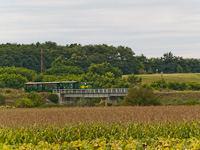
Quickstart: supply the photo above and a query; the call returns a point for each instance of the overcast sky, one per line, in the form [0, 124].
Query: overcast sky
[149, 27]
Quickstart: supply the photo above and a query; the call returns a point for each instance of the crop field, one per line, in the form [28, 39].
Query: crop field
[70, 115]
[180, 77]
[152, 127]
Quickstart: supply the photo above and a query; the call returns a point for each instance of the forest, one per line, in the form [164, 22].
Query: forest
[76, 59]
[101, 65]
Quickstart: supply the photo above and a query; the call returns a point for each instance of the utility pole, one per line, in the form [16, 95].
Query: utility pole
[42, 65]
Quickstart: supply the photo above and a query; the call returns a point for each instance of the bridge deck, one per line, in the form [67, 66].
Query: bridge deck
[112, 91]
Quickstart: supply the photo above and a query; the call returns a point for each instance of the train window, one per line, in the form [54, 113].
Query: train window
[39, 85]
[51, 85]
[31, 85]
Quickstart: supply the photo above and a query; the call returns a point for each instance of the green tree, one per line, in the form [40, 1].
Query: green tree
[140, 96]
[179, 69]
[103, 68]
[134, 80]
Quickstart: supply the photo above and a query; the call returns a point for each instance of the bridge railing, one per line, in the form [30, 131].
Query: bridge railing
[92, 91]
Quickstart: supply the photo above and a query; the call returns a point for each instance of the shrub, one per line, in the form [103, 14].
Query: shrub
[24, 103]
[174, 85]
[8, 91]
[87, 102]
[109, 104]
[157, 85]
[53, 97]
[193, 86]
[189, 102]
[2, 99]
[36, 99]
[141, 96]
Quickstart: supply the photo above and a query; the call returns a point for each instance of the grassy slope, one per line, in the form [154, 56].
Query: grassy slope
[174, 97]
[180, 77]
[12, 95]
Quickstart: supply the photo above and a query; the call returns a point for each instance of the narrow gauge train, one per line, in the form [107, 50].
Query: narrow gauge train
[50, 86]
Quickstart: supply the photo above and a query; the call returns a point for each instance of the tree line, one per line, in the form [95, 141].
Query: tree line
[76, 59]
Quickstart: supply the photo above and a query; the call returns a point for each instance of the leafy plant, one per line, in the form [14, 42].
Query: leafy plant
[53, 97]
[36, 99]
[24, 103]
[141, 97]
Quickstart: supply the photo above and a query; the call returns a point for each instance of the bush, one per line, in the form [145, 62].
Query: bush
[193, 86]
[174, 85]
[109, 104]
[2, 99]
[8, 91]
[36, 99]
[157, 85]
[87, 102]
[24, 103]
[53, 97]
[141, 97]
[189, 102]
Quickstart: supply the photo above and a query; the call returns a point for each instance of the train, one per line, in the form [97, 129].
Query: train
[50, 86]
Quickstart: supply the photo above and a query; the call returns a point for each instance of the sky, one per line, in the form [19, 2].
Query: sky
[148, 27]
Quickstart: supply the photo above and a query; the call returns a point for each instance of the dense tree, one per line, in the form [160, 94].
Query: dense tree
[28, 56]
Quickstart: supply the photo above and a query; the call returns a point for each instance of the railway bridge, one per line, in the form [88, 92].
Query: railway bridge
[67, 96]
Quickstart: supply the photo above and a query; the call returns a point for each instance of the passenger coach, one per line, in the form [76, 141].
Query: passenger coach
[50, 86]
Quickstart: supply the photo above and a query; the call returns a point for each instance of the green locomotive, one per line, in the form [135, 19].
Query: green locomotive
[50, 86]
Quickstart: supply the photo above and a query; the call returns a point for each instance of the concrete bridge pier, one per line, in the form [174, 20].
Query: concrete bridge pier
[65, 100]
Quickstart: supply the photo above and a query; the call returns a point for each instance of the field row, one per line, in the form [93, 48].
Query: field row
[60, 116]
[104, 144]
[173, 135]
[121, 131]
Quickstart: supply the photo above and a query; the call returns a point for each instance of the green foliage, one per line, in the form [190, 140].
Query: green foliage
[141, 97]
[53, 97]
[2, 99]
[193, 86]
[104, 81]
[143, 133]
[157, 85]
[51, 78]
[101, 103]
[179, 69]
[188, 102]
[134, 80]
[12, 80]
[63, 70]
[174, 85]
[28, 56]
[88, 102]
[102, 69]
[36, 99]
[29, 74]
[38, 78]
[8, 91]
[109, 104]
[24, 103]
